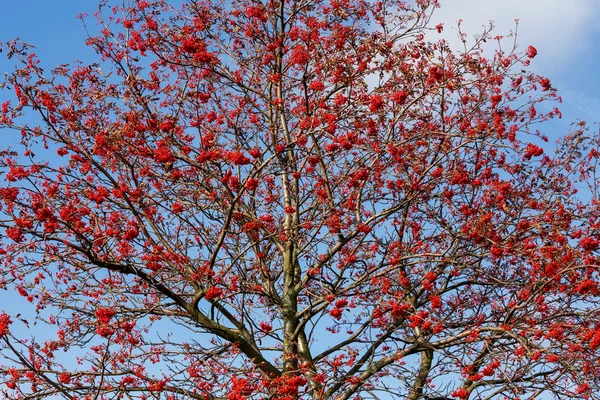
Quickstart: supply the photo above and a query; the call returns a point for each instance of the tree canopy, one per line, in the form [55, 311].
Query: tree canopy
[302, 199]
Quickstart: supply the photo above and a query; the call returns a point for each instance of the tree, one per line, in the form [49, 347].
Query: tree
[302, 199]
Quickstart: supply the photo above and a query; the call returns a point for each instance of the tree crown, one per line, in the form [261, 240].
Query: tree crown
[301, 199]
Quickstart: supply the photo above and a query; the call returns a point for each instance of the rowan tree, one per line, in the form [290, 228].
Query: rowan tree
[255, 199]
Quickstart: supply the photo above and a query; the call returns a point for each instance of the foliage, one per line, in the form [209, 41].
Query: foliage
[301, 199]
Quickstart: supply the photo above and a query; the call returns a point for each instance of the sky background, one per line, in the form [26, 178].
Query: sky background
[566, 34]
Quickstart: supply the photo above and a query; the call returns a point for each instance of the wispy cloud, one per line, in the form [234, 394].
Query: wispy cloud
[561, 30]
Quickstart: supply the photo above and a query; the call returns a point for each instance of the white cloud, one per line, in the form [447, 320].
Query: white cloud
[559, 29]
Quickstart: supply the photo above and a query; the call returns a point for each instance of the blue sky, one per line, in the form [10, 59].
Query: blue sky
[59, 37]
[51, 26]
[566, 34]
